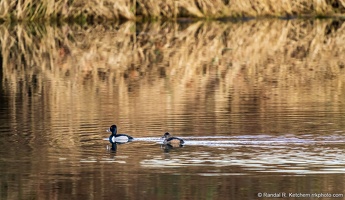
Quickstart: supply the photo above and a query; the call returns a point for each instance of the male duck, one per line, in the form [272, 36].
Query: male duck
[172, 141]
[118, 138]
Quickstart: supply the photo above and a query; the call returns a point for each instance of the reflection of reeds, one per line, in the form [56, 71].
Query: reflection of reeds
[202, 60]
[206, 62]
[130, 9]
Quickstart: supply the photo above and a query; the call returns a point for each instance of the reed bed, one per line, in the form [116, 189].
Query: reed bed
[84, 11]
[60, 10]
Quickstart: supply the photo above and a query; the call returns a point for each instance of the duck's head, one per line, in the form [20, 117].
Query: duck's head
[166, 135]
[113, 129]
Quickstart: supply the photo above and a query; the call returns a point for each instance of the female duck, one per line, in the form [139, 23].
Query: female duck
[118, 138]
[172, 141]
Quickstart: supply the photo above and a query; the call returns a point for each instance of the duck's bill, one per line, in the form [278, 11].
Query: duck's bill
[108, 130]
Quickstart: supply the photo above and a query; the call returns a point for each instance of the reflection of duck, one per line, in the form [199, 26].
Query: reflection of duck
[167, 148]
[172, 141]
[113, 146]
[118, 138]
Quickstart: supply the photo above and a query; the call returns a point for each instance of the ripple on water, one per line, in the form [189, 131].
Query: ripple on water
[291, 154]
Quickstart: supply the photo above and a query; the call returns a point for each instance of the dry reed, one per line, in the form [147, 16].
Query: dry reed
[29, 10]
[132, 9]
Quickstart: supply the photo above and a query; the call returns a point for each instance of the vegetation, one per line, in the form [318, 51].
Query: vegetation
[94, 10]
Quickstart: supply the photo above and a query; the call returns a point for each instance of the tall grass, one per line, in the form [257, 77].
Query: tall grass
[29, 10]
[134, 9]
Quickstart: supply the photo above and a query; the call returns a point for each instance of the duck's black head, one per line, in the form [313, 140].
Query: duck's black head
[166, 135]
[113, 129]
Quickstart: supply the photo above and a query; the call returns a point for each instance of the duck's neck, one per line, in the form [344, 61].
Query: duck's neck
[114, 133]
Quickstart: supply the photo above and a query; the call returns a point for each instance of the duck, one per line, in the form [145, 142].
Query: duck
[118, 138]
[172, 141]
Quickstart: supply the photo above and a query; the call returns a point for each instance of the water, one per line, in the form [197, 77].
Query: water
[259, 104]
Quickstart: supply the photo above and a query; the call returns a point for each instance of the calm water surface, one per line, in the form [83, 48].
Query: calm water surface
[260, 114]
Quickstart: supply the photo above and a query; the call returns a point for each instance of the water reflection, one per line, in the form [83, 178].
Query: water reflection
[113, 146]
[251, 100]
[205, 70]
[167, 147]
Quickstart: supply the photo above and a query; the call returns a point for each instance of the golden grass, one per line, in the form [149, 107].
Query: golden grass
[29, 10]
[132, 9]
